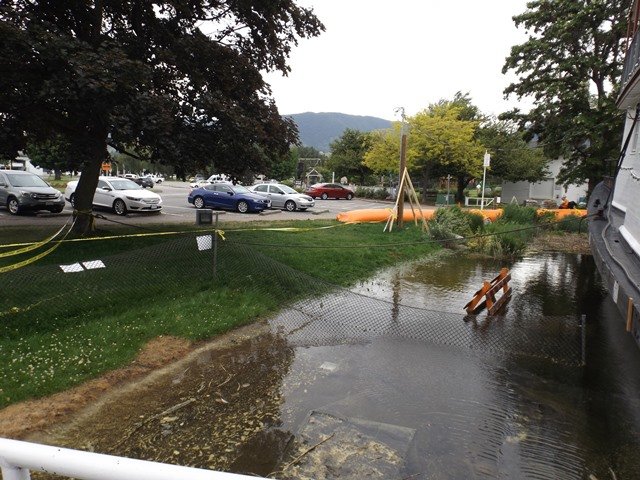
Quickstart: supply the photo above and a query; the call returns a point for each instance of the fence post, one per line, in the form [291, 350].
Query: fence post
[583, 325]
[215, 247]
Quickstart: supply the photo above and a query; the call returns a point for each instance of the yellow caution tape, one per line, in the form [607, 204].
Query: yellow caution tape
[26, 262]
[32, 246]
[153, 234]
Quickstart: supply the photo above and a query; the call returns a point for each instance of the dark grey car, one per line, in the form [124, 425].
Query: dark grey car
[21, 191]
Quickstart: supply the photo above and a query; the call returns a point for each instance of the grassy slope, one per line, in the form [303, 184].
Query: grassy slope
[81, 335]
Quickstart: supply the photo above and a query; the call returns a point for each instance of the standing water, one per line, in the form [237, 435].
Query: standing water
[391, 380]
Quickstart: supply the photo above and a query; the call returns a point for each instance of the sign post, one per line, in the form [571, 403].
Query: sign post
[485, 164]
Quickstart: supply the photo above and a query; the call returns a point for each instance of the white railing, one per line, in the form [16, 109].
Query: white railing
[17, 458]
[477, 201]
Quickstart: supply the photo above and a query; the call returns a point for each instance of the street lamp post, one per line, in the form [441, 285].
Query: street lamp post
[485, 164]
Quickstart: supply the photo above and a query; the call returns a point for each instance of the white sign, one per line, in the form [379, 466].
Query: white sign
[93, 264]
[487, 159]
[74, 267]
[205, 242]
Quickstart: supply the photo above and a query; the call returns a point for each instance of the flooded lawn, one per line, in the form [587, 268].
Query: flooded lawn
[392, 381]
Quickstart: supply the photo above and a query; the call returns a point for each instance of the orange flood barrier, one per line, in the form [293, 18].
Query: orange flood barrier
[375, 215]
[488, 292]
[564, 212]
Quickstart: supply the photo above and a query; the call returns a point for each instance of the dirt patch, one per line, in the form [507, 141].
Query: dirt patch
[21, 419]
[210, 409]
[560, 242]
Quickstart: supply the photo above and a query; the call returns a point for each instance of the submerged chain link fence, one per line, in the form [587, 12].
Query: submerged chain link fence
[61, 301]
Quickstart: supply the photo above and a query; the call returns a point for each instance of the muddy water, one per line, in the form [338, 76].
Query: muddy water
[389, 405]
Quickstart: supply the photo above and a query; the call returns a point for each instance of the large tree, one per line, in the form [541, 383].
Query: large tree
[53, 154]
[347, 155]
[571, 66]
[442, 142]
[512, 157]
[178, 79]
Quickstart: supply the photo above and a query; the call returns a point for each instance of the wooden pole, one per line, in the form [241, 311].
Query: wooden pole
[403, 165]
[629, 314]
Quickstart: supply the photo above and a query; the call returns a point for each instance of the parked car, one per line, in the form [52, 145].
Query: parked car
[283, 196]
[119, 194]
[130, 176]
[144, 182]
[215, 178]
[198, 178]
[20, 191]
[155, 178]
[329, 190]
[228, 197]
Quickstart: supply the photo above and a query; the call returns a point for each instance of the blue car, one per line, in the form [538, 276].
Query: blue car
[228, 197]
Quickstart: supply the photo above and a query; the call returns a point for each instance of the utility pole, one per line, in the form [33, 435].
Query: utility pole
[403, 166]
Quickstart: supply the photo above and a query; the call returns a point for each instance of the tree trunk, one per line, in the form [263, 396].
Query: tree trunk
[96, 152]
[462, 182]
[57, 174]
[424, 183]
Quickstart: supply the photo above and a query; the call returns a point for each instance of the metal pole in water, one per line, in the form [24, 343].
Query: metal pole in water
[583, 325]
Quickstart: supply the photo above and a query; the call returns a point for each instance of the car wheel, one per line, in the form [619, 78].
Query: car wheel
[242, 206]
[72, 200]
[13, 206]
[324, 196]
[349, 196]
[119, 207]
[290, 206]
[198, 202]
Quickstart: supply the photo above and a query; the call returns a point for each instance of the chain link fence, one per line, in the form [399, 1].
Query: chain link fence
[61, 300]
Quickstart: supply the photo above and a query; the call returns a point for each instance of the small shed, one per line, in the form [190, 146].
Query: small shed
[313, 176]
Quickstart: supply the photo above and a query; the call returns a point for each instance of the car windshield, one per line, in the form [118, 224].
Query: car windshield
[26, 180]
[286, 189]
[124, 184]
[241, 189]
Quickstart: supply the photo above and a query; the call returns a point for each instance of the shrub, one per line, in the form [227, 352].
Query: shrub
[571, 223]
[517, 214]
[447, 223]
[508, 238]
[361, 192]
[288, 182]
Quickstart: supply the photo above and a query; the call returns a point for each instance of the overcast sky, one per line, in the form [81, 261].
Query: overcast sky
[378, 55]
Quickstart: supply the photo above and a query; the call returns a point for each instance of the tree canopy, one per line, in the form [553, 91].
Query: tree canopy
[571, 65]
[441, 141]
[512, 158]
[347, 155]
[181, 80]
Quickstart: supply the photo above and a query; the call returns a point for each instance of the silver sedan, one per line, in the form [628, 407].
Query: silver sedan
[282, 196]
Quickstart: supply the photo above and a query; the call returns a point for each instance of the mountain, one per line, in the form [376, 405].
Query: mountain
[320, 129]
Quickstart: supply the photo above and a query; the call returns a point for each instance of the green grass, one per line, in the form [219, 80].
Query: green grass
[57, 330]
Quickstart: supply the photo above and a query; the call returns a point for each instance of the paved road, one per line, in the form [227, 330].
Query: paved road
[176, 209]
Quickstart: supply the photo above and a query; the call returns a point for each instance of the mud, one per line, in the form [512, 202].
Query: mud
[560, 242]
[203, 411]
